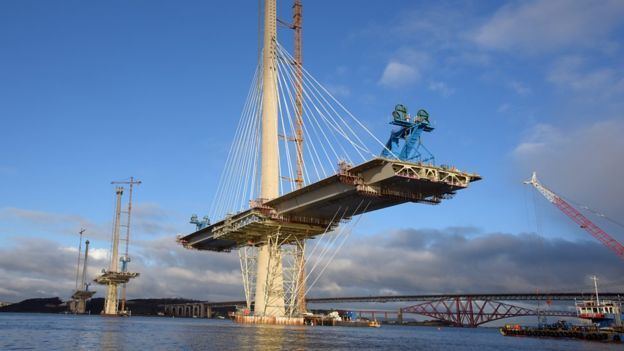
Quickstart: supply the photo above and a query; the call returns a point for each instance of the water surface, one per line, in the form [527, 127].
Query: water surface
[25, 331]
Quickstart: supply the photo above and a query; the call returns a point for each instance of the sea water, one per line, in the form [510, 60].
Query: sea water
[31, 331]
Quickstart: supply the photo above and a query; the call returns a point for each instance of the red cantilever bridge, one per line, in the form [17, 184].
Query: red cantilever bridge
[462, 310]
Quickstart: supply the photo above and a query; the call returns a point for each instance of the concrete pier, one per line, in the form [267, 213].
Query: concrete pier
[189, 310]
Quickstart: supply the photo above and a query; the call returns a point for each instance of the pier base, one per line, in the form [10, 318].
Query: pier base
[268, 320]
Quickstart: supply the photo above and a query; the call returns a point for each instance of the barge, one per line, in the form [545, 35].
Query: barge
[317, 320]
[562, 329]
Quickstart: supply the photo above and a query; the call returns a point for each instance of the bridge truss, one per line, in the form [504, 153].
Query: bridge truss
[469, 312]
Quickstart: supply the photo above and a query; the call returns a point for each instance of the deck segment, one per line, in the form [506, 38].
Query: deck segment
[321, 206]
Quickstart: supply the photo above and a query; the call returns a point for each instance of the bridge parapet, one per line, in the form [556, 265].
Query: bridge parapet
[549, 296]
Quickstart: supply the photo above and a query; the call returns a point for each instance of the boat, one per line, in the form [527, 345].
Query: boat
[334, 319]
[604, 316]
[374, 324]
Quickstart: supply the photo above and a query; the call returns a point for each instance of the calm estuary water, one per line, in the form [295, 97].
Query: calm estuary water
[65, 332]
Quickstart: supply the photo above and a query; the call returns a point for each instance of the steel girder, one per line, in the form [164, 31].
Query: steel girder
[469, 312]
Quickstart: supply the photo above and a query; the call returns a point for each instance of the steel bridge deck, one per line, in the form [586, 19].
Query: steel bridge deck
[555, 296]
[320, 207]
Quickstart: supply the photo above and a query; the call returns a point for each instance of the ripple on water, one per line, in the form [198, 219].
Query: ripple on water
[24, 331]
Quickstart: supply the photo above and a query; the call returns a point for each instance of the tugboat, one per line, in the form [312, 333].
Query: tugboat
[605, 317]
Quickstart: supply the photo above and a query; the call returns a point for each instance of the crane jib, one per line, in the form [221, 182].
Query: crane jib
[576, 216]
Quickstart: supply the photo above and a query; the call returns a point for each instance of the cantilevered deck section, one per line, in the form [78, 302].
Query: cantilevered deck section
[109, 277]
[321, 206]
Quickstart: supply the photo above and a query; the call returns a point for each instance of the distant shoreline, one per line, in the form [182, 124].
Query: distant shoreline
[54, 305]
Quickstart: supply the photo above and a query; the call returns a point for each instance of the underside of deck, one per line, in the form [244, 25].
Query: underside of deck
[321, 206]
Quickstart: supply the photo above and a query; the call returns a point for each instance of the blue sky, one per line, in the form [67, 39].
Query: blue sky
[97, 91]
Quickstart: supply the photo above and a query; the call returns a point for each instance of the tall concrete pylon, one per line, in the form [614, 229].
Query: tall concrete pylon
[113, 277]
[110, 303]
[269, 295]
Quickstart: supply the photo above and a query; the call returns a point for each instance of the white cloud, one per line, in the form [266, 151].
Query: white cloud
[386, 263]
[520, 88]
[147, 219]
[42, 268]
[549, 25]
[441, 88]
[571, 72]
[98, 254]
[503, 108]
[338, 89]
[395, 262]
[58, 223]
[399, 74]
[584, 163]
[541, 136]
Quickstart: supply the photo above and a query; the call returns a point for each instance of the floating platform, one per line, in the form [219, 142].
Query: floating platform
[323, 320]
[320, 207]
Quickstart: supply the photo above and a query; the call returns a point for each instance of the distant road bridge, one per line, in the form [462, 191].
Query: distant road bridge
[462, 310]
[555, 296]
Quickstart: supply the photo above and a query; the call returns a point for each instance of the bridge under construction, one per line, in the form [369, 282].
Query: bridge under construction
[273, 196]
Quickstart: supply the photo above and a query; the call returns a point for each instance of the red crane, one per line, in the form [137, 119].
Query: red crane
[578, 217]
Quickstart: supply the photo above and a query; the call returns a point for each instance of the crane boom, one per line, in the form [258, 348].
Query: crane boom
[578, 217]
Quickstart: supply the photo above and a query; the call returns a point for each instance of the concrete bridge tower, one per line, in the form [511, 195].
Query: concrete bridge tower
[113, 277]
[78, 302]
[269, 295]
[110, 304]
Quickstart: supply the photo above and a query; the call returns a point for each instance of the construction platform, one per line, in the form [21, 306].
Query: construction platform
[109, 277]
[319, 207]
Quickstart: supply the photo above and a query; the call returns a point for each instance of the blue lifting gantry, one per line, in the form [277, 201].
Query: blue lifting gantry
[410, 130]
[200, 224]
